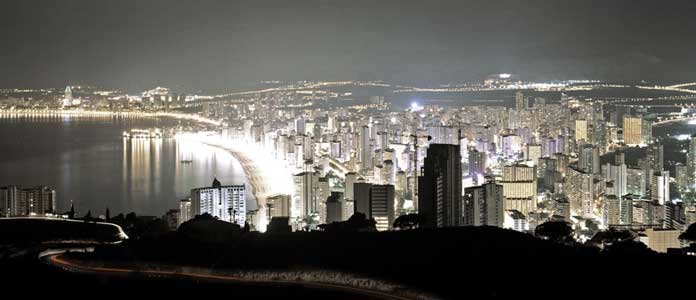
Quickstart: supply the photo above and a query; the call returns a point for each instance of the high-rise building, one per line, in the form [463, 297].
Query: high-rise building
[365, 148]
[561, 207]
[306, 190]
[682, 176]
[520, 101]
[477, 163]
[691, 161]
[519, 188]
[579, 189]
[636, 130]
[184, 210]
[659, 188]
[618, 175]
[351, 178]
[440, 187]
[25, 201]
[334, 208]
[227, 203]
[656, 157]
[533, 152]
[581, 130]
[484, 205]
[635, 182]
[588, 160]
[618, 210]
[612, 210]
[375, 201]
[278, 206]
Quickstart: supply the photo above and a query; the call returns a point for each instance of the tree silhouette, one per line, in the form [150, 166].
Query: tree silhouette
[131, 217]
[689, 235]
[628, 248]
[108, 214]
[204, 217]
[88, 216]
[557, 231]
[358, 222]
[119, 218]
[409, 221]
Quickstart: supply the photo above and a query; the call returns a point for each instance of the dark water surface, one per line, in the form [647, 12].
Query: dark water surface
[87, 161]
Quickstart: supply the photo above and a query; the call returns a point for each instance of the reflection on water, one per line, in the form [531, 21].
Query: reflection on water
[89, 162]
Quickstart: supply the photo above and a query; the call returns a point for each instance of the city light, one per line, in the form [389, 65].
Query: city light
[347, 150]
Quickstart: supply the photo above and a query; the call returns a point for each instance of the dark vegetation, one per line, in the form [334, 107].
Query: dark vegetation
[455, 263]
[452, 262]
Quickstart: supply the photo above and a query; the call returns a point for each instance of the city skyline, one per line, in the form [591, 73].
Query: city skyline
[326, 149]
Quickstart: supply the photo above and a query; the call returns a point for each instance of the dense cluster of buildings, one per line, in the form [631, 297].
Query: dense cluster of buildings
[592, 163]
[19, 201]
[587, 162]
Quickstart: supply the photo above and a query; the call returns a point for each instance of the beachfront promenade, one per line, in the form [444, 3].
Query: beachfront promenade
[266, 175]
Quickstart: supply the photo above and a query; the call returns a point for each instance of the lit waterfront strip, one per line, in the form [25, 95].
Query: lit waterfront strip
[266, 175]
[94, 113]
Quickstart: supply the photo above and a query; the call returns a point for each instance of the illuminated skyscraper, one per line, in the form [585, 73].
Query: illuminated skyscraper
[519, 188]
[184, 210]
[636, 181]
[636, 130]
[306, 185]
[659, 188]
[581, 130]
[484, 205]
[618, 175]
[532, 152]
[278, 206]
[588, 160]
[477, 163]
[691, 162]
[682, 176]
[227, 203]
[656, 157]
[440, 187]
[366, 152]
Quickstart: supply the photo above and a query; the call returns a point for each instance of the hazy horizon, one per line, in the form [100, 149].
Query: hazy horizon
[217, 46]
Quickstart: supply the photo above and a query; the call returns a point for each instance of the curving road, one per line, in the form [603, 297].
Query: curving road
[55, 258]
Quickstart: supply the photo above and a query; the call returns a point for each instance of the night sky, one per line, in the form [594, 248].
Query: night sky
[223, 45]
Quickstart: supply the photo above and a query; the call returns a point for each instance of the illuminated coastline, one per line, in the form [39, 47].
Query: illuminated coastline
[99, 113]
[265, 174]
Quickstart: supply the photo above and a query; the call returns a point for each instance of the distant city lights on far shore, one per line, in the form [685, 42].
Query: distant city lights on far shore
[682, 137]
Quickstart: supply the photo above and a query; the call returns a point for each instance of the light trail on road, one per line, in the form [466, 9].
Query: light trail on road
[55, 259]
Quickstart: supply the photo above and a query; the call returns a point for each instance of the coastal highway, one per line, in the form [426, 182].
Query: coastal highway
[56, 258]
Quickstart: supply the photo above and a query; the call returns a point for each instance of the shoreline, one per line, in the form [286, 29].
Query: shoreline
[126, 202]
[261, 187]
[93, 113]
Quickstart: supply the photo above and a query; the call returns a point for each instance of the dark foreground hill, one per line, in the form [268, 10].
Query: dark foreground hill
[455, 263]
